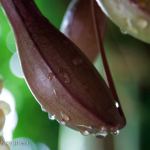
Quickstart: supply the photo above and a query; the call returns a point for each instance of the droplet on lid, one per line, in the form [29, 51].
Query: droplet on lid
[84, 126]
[124, 31]
[85, 133]
[5, 107]
[54, 91]
[62, 122]
[51, 117]
[116, 132]
[50, 76]
[101, 134]
[64, 117]
[117, 104]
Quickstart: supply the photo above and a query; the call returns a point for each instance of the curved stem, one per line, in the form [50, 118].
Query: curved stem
[103, 55]
[102, 51]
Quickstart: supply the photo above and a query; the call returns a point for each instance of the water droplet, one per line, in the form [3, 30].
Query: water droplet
[85, 133]
[62, 122]
[64, 117]
[50, 76]
[54, 91]
[77, 61]
[142, 23]
[116, 132]
[66, 78]
[124, 31]
[90, 129]
[101, 134]
[84, 126]
[43, 109]
[130, 26]
[51, 117]
[117, 104]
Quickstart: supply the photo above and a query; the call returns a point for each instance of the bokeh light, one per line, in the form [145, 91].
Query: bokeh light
[15, 66]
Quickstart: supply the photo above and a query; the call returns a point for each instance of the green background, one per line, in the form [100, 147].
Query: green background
[129, 63]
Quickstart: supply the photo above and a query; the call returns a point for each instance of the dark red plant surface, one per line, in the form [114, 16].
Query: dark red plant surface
[84, 23]
[63, 80]
[78, 24]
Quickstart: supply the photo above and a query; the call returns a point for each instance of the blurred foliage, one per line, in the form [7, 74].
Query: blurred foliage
[129, 63]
